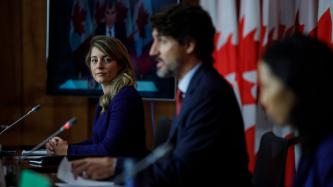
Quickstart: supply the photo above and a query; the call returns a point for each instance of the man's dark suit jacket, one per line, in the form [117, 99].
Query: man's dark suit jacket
[208, 139]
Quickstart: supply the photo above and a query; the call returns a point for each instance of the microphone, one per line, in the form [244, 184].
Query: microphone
[157, 154]
[66, 126]
[34, 109]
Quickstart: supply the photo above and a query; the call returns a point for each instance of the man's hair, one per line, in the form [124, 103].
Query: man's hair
[185, 23]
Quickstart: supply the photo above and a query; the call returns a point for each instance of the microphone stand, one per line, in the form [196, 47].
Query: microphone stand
[157, 154]
[34, 109]
[14, 165]
[67, 125]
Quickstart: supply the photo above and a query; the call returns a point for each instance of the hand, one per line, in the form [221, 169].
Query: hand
[94, 168]
[51, 144]
[57, 146]
[50, 148]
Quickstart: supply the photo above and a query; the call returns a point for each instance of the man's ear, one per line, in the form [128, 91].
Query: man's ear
[190, 46]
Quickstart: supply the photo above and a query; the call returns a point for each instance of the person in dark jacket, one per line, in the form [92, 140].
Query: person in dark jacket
[119, 128]
[295, 76]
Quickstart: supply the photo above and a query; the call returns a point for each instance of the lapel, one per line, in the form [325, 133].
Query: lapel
[186, 106]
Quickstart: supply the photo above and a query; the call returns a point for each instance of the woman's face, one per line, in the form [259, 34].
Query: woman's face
[276, 98]
[103, 68]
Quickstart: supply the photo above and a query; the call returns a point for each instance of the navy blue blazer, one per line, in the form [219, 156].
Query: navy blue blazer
[208, 139]
[316, 170]
[119, 131]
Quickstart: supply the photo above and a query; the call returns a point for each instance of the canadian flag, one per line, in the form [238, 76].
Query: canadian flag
[249, 26]
[224, 16]
[81, 24]
[142, 36]
[260, 23]
[306, 16]
[324, 29]
[99, 12]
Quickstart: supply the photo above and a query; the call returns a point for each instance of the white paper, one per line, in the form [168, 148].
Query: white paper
[32, 157]
[36, 162]
[41, 152]
[65, 174]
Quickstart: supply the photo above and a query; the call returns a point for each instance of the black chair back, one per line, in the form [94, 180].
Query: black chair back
[271, 159]
[161, 131]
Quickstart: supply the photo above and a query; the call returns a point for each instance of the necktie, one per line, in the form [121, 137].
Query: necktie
[179, 100]
[110, 33]
[290, 163]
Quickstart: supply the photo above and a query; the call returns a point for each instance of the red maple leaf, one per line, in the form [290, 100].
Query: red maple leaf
[298, 26]
[248, 59]
[301, 27]
[142, 21]
[324, 29]
[226, 56]
[78, 18]
[121, 11]
[270, 38]
[284, 31]
[99, 12]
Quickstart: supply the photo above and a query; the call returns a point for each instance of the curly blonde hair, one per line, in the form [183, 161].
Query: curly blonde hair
[117, 51]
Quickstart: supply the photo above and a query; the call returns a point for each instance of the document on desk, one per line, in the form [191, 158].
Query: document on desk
[40, 152]
[65, 174]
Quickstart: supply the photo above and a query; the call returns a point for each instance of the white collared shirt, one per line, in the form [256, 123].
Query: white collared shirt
[185, 81]
[110, 31]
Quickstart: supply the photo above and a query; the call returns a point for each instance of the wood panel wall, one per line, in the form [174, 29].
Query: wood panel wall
[23, 82]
